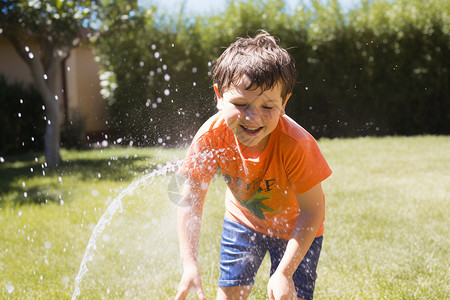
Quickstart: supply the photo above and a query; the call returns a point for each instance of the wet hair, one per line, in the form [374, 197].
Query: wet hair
[261, 59]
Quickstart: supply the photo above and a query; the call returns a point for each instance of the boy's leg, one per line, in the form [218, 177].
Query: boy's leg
[241, 253]
[305, 275]
[234, 292]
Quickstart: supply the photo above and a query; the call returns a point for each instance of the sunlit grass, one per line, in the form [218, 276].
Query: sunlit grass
[386, 234]
[387, 219]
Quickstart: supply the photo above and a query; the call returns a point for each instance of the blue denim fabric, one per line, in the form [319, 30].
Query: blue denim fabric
[243, 250]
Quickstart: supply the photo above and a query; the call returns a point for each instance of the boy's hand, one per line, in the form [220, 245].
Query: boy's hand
[281, 287]
[190, 282]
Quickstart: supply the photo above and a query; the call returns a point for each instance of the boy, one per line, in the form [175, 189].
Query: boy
[273, 169]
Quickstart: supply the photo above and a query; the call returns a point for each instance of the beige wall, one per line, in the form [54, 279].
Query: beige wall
[11, 64]
[82, 83]
[83, 90]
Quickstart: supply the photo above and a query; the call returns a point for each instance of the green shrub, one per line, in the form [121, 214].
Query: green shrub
[379, 69]
[22, 123]
[73, 132]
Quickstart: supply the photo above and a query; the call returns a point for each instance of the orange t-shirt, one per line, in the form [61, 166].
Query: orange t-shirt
[261, 191]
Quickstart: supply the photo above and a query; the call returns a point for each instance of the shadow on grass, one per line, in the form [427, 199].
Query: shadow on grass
[18, 171]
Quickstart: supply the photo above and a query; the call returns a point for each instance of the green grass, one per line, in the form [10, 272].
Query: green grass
[386, 234]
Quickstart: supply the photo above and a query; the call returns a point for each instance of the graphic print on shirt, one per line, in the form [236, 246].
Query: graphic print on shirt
[250, 196]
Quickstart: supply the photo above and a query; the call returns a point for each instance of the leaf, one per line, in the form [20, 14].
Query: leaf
[268, 209]
[255, 206]
[254, 209]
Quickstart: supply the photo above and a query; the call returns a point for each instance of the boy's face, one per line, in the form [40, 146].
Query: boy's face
[250, 114]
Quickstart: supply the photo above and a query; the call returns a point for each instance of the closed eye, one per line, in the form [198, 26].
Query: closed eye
[239, 104]
[267, 107]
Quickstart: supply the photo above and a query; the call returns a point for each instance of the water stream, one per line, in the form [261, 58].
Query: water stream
[111, 211]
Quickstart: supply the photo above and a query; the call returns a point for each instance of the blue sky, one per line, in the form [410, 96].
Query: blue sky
[205, 6]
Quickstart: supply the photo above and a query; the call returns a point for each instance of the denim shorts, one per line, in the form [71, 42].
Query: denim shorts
[242, 252]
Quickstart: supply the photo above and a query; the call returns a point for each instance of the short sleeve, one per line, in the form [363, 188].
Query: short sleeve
[200, 163]
[305, 165]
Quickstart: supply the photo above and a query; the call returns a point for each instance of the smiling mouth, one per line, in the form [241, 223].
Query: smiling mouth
[251, 131]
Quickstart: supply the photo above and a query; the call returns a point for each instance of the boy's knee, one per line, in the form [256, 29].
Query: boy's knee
[234, 292]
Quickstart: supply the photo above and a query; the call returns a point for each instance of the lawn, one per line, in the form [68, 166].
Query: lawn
[386, 234]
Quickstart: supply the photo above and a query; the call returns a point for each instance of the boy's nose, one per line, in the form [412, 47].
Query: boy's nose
[250, 113]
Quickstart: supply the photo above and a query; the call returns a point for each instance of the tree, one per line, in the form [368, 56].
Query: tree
[43, 33]
[153, 72]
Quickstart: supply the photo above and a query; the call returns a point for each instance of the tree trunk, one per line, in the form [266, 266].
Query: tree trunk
[52, 144]
[46, 88]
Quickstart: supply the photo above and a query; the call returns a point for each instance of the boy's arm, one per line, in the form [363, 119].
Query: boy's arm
[312, 210]
[189, 216]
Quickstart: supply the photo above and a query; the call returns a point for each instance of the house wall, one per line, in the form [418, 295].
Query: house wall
[83, 90]
[82, 85]
[11, 64]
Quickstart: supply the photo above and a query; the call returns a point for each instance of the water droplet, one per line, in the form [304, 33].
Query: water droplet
[45, 76]
[141, 63]
[166, 92]
[153, 46]
[21, 101]
[194, 83]
[9, 287]
[167, 77]
[2, 160]
[156, 54]
[160, 140]
[19, 115]
[154, 105]
[27, 48]
[194, 70]
[306, 88]
[159, 100]
[31, 55]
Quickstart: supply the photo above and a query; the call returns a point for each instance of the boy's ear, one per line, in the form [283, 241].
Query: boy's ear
[283, 108]
[218, 97]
